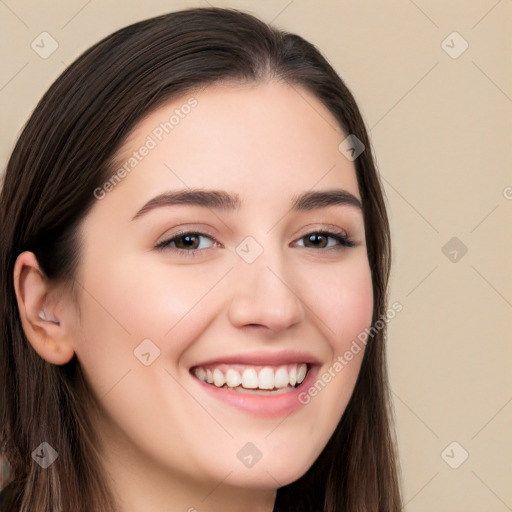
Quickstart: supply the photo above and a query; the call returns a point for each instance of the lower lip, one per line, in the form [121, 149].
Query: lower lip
[271, 405]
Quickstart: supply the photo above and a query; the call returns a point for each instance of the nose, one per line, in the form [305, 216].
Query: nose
[264, 295]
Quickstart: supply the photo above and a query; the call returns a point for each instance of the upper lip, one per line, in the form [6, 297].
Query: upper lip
[263, 358]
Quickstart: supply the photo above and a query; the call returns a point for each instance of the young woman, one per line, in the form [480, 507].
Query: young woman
[193, 274]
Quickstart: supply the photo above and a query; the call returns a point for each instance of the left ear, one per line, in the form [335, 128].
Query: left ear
[46, 326]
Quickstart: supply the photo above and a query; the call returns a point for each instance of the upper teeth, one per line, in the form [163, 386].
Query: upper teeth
[251, 377]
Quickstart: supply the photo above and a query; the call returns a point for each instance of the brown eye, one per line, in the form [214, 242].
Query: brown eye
[316, 240]
[326, 240]
[187, 243]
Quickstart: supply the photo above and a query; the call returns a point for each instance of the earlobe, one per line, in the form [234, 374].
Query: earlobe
[43, 328]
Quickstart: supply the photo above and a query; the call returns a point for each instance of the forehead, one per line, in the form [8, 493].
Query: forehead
[250, 138]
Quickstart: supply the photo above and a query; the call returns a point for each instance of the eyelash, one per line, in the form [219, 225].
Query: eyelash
[343, 240]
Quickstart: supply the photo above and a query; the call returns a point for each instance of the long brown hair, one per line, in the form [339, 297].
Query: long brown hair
[65, 152]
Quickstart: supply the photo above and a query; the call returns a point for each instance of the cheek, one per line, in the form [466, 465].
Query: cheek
[121, 309]
[342, 301]
[130, 319]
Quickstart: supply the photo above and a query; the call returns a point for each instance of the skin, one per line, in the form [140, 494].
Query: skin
[168, 444]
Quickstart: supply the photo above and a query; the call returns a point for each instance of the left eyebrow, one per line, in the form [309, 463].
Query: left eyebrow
[321, 199]
[221, 200]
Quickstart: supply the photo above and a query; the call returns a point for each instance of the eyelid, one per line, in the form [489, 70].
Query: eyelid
[187, 230]
[322, 228]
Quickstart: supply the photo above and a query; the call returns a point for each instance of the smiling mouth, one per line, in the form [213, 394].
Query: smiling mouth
[261, 380]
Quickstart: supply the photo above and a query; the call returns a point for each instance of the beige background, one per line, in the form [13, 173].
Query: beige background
[441, 132]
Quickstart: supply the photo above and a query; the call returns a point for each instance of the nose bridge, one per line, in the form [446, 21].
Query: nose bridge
[264, 292]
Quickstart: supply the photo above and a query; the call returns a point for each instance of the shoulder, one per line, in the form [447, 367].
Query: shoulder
[10, 497]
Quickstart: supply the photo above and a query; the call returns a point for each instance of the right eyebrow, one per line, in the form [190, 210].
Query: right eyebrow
[214, 199]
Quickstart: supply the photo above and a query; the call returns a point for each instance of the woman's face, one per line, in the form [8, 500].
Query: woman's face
[250, 280]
